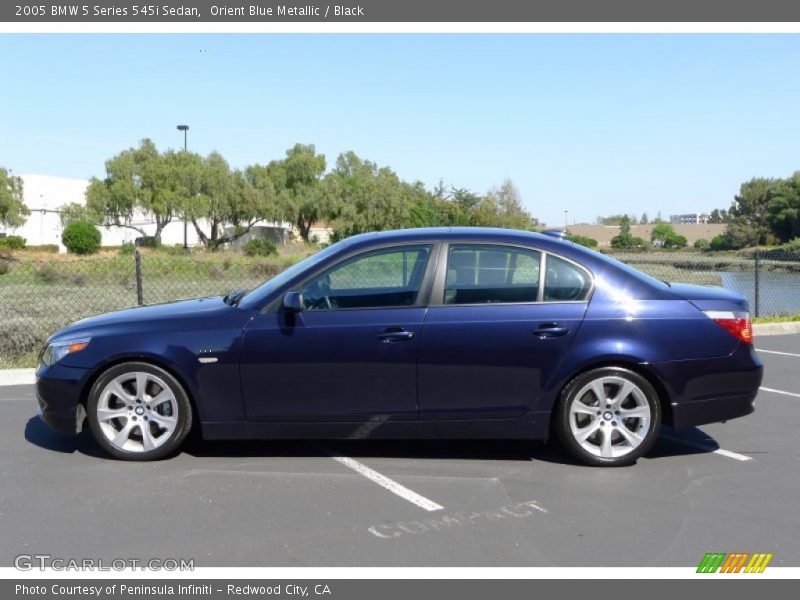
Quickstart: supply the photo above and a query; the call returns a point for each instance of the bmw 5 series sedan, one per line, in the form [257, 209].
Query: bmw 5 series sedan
[426, 333]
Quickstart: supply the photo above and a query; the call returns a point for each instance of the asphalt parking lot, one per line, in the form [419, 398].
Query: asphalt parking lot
[724, 487]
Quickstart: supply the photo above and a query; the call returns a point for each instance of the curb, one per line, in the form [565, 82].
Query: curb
[776, 328]
[17, 376]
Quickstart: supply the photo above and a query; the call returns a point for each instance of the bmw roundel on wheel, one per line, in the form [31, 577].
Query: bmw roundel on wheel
[440, 333]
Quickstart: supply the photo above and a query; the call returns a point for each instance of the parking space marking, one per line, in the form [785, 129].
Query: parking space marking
[777, 352]
[781, 392]
[708, 448]
[387, 483]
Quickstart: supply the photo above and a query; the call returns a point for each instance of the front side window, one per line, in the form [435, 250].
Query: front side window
[478, 274]
[564, 282]
[383, 278]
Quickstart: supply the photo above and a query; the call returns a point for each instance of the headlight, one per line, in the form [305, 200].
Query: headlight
[55, 351]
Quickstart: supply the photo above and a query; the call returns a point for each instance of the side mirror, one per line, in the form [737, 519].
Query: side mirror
[293, 301]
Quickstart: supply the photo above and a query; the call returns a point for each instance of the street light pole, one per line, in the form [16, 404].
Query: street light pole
[566, 219]
[185, 130]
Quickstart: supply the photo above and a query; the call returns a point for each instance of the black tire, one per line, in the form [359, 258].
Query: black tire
[565, 421]
[181, 405]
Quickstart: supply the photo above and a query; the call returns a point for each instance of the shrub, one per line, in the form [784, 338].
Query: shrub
[702, 244]
[721, 242]
[127, 249]
[4, 267]
[260, 248]
[81, 237]
[675, 241]
[582, 240]
[148, 241]
[12, 242]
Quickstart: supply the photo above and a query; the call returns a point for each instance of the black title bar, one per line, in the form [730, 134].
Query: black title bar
[366, 11]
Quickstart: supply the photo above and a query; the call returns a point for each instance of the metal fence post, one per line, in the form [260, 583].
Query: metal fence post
[139, 294]
[757, 280]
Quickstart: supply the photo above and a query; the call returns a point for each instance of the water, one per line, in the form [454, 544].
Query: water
[779, 293]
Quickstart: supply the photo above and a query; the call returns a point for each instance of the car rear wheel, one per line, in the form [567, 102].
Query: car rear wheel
[138, 411]
[608, 417]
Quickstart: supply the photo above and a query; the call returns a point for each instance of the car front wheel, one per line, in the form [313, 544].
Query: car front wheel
[608, 417]
[138, 411]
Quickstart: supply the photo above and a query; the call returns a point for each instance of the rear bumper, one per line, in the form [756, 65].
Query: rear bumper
[58, 396]
[711, 410]
[711, 390]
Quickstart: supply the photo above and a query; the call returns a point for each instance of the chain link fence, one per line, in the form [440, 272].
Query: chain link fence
[769, 279]
[40, 296]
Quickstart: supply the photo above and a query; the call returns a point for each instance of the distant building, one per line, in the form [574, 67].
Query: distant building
[689, 218]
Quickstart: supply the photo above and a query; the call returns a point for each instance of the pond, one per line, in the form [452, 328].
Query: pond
[779, 293]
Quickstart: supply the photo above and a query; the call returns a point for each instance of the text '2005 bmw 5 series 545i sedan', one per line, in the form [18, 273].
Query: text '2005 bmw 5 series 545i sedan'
[425, 333]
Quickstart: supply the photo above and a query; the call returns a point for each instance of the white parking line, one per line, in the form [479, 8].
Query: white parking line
[708, 448]
[777, 352]
[389, 484]
[781, 392]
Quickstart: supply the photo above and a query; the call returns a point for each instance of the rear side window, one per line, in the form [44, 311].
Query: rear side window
[485, 274]
[564, 282]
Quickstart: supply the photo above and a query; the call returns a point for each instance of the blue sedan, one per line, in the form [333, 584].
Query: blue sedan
[426, 333]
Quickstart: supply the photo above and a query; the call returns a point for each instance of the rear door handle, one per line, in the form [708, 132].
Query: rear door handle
[395, 334]
[550, 330]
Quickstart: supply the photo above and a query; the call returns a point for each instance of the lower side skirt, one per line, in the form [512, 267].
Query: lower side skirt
[532, 426]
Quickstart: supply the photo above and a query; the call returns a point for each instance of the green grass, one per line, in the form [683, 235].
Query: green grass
[778, 319]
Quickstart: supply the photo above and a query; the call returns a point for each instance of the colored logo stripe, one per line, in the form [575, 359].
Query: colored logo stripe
[734, 562]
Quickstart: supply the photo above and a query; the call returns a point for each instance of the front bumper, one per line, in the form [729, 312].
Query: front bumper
[58, 395]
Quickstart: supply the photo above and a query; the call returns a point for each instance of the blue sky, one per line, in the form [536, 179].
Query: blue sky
[593, 124]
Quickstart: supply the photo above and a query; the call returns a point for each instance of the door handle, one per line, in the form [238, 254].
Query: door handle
[550, 330]
[395, 334]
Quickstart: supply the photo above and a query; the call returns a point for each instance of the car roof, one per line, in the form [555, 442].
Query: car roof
[445, 233]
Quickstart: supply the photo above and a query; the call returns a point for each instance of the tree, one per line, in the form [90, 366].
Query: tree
[13, 212]
[75, 211]
[230, 202]
[645, 219]
[365, 197]
[664, 235]
[297, 179]
[615, 220]
[138, 179]
[718, 216]
[502, 207]
[749, 224]
[624, 240]
[784, 209]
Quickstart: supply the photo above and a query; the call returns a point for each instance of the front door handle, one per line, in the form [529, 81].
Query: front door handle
[550, 330]
[395, 334]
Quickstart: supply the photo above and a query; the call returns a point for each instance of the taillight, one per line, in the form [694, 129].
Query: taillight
[737, 323]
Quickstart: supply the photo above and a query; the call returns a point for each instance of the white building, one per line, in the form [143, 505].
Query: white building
[44, 195]
[689, 218]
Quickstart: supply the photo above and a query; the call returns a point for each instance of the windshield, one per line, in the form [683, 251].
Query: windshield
[257, 295]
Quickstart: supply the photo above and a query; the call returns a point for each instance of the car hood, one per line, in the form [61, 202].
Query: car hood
[181, 309]
[707, 297]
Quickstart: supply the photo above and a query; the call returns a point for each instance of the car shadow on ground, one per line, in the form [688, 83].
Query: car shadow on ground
[39, 434]
[670, 443]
